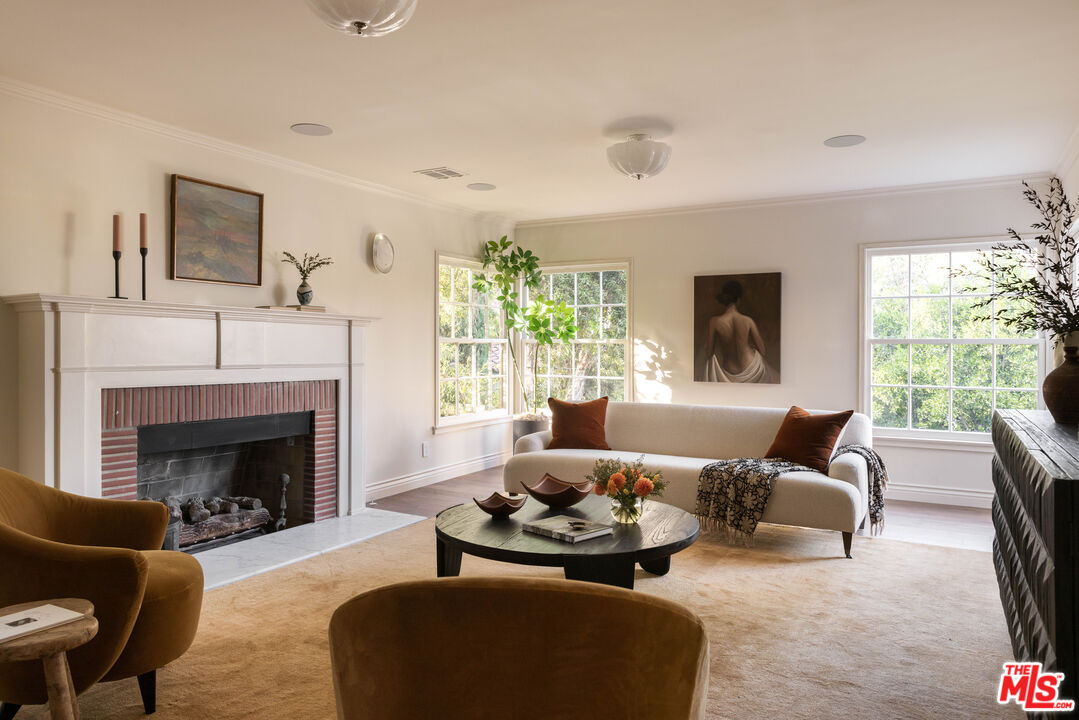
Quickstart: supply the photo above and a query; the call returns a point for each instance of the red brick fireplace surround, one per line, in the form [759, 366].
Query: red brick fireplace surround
[124, 410]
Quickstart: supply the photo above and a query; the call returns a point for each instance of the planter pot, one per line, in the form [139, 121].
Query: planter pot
[522, 427]
[1061, 388]
[305, 293]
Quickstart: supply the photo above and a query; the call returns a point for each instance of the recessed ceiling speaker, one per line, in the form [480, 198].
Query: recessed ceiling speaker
[844, 140]
[311, 129]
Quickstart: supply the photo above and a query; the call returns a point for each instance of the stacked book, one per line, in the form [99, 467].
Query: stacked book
[34, 620]
[567, 528]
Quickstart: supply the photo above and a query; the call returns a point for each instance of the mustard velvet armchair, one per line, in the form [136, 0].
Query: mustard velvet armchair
[147, 601]
[473, 648]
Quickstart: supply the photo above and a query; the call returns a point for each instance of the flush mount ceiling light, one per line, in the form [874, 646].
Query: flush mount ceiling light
[639, 156]
[311, 129]
[364, 18]
[845, 140]
[481, 187]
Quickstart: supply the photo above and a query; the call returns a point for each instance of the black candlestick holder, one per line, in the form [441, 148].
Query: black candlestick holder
[143, 251]
[116, 258]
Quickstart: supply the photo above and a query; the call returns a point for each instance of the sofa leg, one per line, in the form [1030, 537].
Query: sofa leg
[862, 526]
[8, 710]
[847, 538]
[148, 689]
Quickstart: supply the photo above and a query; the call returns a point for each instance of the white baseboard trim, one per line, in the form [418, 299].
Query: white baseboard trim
[962, 497]
[401, 484]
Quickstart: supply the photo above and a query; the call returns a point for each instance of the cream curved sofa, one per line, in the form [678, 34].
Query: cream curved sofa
[679, 440]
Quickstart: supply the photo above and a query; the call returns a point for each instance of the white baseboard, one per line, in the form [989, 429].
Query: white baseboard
[401, 484]
[939, 495]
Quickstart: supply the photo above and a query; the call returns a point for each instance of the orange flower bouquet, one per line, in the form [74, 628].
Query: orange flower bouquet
[627, 485]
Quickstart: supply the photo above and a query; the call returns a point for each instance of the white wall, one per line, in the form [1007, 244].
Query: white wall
[1069, 167]
[815, 244]
[65, 171]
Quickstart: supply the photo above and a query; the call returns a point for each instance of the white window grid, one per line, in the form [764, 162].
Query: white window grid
[497, 347]
[951, 295]
[546, 370]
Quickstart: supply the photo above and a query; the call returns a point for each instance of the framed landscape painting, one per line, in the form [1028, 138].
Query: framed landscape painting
[736, 328]
[216, 233]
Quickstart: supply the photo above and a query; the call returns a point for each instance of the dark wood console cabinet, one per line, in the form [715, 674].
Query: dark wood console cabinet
[1035, 509]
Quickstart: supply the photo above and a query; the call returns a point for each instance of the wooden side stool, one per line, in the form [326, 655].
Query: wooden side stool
[51, 646]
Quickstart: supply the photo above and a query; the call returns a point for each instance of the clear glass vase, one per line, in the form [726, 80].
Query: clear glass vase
[627, 511]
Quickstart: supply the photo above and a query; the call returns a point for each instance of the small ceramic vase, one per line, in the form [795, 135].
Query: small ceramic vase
[305, 293]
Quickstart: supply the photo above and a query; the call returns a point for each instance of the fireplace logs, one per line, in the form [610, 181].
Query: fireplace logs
[175, 509]
[195, 512]
[219, 506]
[204, 523]
[248, 503]
[219, 526]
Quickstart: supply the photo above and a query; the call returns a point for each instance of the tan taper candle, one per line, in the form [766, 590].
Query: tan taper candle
[116, 232]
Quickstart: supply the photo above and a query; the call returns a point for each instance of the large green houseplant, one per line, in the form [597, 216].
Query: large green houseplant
[1032, 288]
[508, 271]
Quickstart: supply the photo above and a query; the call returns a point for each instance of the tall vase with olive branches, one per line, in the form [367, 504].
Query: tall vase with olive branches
[1033, 288]
[509, 270]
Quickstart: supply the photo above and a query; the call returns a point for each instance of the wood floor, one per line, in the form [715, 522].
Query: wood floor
[931, 524]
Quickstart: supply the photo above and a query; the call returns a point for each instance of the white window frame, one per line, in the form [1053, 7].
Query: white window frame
[917, 437]
[613, 264]
[472, 420]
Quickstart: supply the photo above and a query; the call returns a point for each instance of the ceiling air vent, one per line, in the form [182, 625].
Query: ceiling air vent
[441, 173]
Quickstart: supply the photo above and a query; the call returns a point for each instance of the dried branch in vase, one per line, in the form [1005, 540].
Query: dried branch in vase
[1031, 281]
[308, 264]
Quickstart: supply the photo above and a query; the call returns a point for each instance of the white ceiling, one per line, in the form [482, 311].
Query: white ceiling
[518, 92]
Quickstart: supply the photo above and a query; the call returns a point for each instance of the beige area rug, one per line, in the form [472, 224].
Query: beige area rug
[901, 631]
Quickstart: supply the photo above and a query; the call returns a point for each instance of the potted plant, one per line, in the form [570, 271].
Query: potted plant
[508, 271]
[1032, 288]
[305, 293]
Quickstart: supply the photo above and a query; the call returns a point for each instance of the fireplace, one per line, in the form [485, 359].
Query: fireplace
[264, 453]
[94, 370]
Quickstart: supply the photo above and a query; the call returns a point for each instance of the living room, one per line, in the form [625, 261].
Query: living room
[261, 234]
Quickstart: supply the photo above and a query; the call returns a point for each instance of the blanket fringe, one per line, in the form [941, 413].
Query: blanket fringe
[731, 535]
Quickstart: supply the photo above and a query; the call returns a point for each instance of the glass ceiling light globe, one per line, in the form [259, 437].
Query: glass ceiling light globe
[639, 157]
[364, 18]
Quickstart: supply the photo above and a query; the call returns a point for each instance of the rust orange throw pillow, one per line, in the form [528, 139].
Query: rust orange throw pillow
[578, 425]
[808, 439]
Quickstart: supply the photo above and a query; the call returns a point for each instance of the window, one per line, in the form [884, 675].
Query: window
[931, 366]
[471, 347]
[596, 362]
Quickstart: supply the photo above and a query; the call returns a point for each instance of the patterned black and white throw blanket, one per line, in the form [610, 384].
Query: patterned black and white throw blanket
[732, 494]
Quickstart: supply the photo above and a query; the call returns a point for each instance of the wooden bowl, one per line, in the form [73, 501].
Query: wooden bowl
[558, 494]
[501, 504]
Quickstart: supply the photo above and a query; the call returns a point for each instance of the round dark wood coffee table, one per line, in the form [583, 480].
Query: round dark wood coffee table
[662, 531]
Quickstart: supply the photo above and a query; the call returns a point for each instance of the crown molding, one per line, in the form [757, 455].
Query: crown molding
[1000, 181]
[35, 93]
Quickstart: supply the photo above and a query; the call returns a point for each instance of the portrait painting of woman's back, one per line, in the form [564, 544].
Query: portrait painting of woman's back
[736, 336]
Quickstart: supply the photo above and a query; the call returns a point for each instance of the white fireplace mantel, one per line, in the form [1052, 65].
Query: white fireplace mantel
[70, 348]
